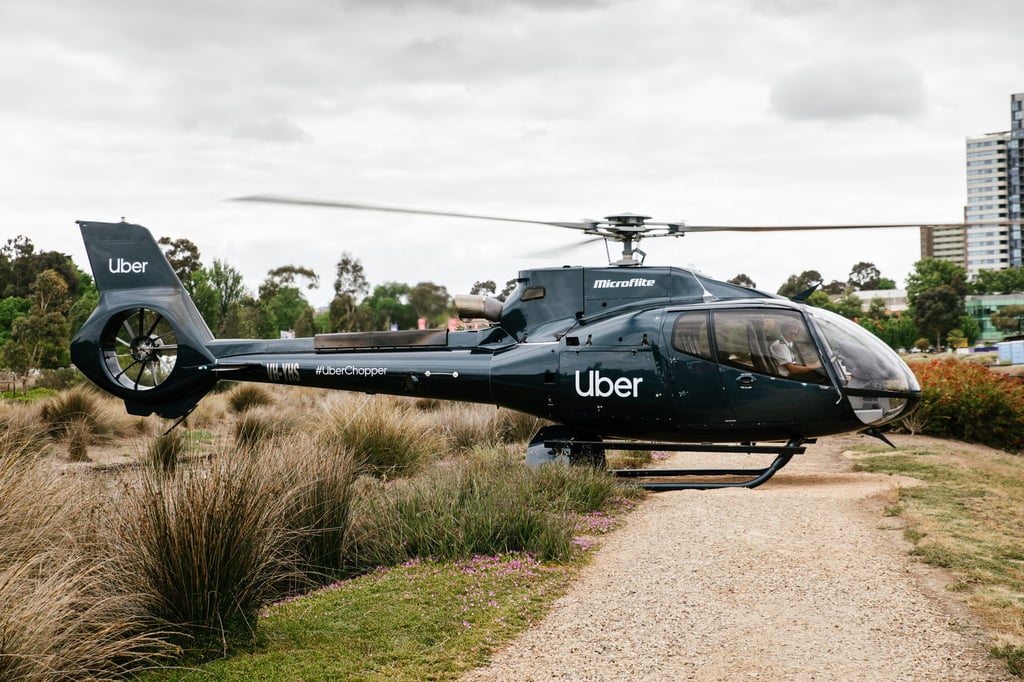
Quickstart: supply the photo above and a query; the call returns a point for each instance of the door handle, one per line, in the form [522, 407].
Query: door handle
[746, 380]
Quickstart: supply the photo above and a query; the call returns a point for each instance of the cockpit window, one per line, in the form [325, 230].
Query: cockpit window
[860, 357]
[690, 334]
[773, 342]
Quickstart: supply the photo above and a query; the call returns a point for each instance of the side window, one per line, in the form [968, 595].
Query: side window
[774, 342]
[690, 335]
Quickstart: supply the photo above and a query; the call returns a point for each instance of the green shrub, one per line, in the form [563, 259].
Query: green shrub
[968, 402]
[247, 396]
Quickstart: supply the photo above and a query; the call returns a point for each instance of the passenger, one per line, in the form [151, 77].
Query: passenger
[787, 358]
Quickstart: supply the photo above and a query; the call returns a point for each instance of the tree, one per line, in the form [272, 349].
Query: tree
[285, 276]
[849, 306]
[487, 288]
[40, 338]
[1010, 280]
[11, 309]
[387, 306]
[349, 283]
[183, 255]
[1009, 319]
[306, 324]
[743, 280]
[280, 296]
[937, 310]
[430, 301]
[21, 264]
[929, 273]
[797, 284]
[864, 277]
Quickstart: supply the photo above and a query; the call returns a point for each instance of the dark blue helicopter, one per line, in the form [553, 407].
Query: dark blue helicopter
[620, 357]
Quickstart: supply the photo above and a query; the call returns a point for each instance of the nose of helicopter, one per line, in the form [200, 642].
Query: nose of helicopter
[877, 383]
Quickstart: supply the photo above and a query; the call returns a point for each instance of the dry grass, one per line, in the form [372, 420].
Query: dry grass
[968, 518]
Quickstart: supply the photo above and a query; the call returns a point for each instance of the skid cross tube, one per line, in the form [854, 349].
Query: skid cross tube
[754, 477]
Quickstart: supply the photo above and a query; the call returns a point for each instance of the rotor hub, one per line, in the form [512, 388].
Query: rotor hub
[146, 349]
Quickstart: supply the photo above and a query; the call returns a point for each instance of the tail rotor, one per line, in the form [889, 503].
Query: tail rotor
[139, 348]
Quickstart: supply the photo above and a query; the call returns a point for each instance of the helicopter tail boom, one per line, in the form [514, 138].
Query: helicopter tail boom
[146, 339]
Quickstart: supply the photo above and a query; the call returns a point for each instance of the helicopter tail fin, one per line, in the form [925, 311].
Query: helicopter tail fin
[146, 340]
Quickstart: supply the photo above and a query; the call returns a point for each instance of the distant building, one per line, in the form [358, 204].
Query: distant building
[982, 307]
[995, 180]
[988, 242]
[895, 299]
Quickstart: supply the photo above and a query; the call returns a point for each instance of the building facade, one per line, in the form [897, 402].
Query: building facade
[987, 239]
[991, 238]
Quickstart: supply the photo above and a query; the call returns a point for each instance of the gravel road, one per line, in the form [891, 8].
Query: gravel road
[803, 578]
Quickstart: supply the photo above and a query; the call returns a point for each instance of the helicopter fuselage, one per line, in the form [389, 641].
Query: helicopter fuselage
[609, 352]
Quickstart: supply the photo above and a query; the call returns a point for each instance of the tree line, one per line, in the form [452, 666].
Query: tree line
[45, 298]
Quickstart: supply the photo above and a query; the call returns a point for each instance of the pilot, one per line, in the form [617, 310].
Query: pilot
[787, 358]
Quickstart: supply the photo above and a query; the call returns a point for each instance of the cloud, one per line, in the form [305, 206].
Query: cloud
[849, 89]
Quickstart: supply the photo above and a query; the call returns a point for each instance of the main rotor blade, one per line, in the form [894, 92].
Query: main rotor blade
[271, 199]
[786, 228]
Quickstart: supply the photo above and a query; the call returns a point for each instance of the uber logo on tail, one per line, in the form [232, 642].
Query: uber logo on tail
[123, 267]
[598, 386]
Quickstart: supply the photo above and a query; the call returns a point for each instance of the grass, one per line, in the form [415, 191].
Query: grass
[446, 542]
[420, 621]
[968, 518]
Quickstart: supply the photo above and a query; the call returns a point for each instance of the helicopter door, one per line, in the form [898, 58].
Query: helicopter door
[693, 377]
[763, 355]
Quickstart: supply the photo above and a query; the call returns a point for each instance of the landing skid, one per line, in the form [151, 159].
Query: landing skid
[751, 477]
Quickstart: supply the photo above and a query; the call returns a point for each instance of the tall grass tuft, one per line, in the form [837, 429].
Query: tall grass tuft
[457, 510]
[205, 546]
[319, 491]
[244, 397]
[165, 450]
[79, 406]
[259, 427]
[62, 620]
[389, 438]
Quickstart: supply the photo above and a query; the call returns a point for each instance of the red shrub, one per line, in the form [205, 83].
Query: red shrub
[968, 402]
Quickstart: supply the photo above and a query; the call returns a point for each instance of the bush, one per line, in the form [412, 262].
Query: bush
[968, 402]
[319, 509]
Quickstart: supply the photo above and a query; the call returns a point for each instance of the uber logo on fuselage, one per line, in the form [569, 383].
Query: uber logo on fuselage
[598, 386]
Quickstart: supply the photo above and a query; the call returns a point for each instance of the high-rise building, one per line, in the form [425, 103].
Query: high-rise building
[987, 240]
[991, 238]
[1015, 162]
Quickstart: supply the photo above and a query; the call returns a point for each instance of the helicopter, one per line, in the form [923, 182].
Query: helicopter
[625, 356]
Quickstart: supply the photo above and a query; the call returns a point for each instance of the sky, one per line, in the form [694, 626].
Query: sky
[733, 112]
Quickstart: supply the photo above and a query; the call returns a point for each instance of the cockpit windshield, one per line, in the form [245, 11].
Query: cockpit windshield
[860, 357]
[864, 362]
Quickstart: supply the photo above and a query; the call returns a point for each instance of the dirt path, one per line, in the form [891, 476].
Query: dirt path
[801, 579]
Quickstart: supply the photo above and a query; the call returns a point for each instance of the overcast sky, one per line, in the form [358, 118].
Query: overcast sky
[726, 112]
